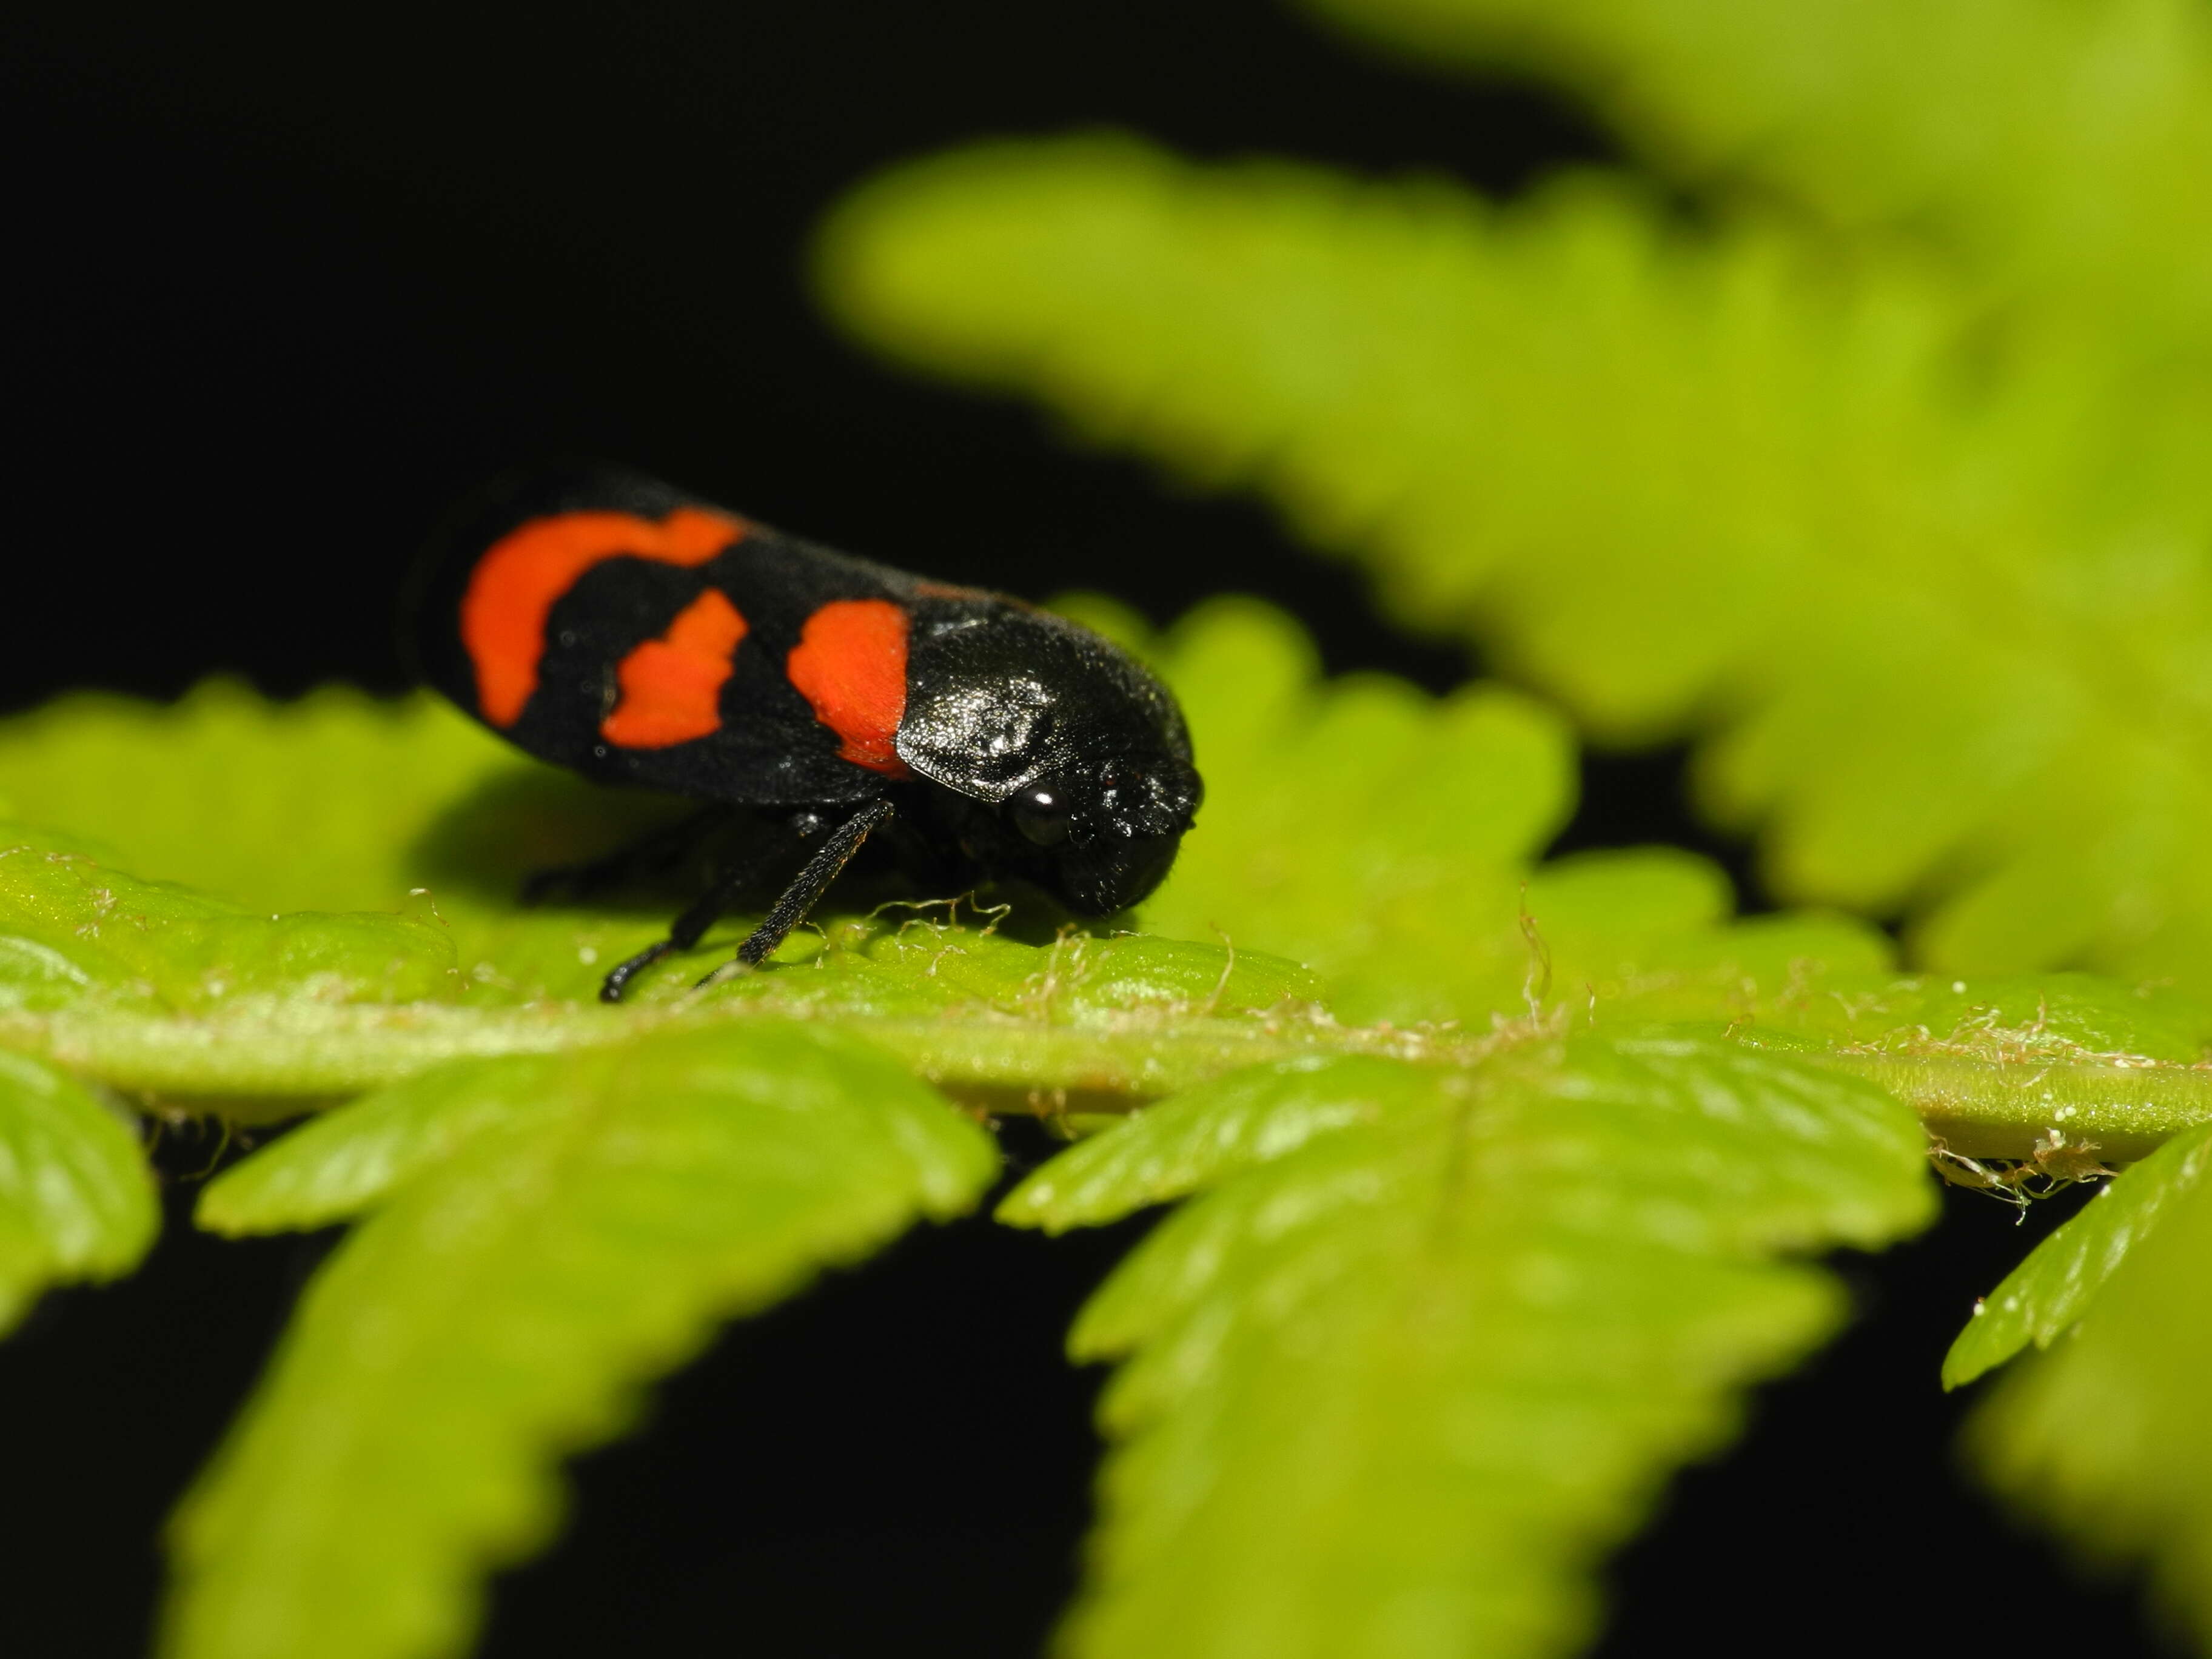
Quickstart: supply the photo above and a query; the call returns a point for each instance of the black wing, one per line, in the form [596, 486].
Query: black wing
[609, 623]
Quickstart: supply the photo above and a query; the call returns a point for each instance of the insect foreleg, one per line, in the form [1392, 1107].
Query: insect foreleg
[807, 887]
[688, 929]
[800, 896]
[684, 933]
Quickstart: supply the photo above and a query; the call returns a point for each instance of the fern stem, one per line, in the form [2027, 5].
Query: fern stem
[2121, 1107]
[278, 1066]
[282, 1063]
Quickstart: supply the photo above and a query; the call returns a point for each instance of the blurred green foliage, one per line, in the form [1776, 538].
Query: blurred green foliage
[2052, 152]
[1917, 549]
[2106, 1435]
[1858, 433]
[76, 1199]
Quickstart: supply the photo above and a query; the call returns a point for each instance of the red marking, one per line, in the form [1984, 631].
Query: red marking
[515, 585]
[672, 687]
[850, 664]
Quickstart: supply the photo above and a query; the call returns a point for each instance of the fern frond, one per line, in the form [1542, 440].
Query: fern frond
[555, 1201]
[78, 929]
[2043, 1299]
[347, 1161]
[321, 804]
[76, 1201]
[1390, 840]
[1192, 1140]
[506, 1303]
[1392, 1392]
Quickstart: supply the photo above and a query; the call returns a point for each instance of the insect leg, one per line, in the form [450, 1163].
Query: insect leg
[809, 884]
[649, 854]
[683, 933]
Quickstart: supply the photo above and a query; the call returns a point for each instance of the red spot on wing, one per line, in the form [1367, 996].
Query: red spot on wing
[523, 574]
[672, 687]
[850, 664]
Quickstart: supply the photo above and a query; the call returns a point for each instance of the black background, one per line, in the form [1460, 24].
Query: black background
[277, 287]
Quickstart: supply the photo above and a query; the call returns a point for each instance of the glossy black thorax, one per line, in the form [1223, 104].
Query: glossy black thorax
[1008, 706]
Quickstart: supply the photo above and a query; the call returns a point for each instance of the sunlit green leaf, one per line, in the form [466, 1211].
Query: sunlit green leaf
[76, 1201]
[346, 1161]
[579, 1234]
[316, 805]
[1359, 827]
[71, 923]
[1393, 1391]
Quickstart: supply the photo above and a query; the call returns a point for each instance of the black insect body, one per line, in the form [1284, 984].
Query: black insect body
[609, 623]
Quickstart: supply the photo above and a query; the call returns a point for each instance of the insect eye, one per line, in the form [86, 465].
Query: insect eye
[1041, 816]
